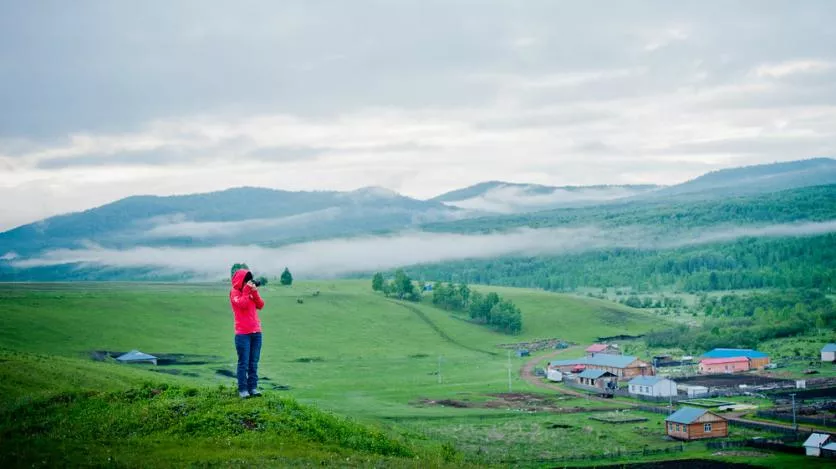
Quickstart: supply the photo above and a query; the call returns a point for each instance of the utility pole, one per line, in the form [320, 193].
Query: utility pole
[509, 370]
[794, 422]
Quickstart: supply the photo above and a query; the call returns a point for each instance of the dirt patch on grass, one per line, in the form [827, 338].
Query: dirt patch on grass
[536, 345]
[175, 372]
[309, 360]
[748, 454]
[526, 402]
[227, 373]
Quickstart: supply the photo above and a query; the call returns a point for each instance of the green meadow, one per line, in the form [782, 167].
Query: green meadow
[352, 379]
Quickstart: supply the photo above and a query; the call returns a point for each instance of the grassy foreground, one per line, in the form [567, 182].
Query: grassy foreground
[351, 380]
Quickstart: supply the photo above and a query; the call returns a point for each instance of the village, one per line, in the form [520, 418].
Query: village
[704, 396]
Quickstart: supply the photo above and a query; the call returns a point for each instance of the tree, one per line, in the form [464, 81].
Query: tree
[262, 280]
[236, 267]
[286, 278]
[377, 282]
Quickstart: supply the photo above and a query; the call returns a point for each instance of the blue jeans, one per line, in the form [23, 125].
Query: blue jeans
[248, 347]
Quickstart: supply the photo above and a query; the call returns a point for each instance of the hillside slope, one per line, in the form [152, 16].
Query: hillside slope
[156, 424]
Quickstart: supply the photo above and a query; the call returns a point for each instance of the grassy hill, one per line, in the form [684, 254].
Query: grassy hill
[351, 380]
[347, 349]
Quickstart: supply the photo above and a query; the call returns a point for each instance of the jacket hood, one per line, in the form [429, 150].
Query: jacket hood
[238, 278]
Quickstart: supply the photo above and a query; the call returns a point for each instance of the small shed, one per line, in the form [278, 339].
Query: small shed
[596, 378]
[554, 375]
[522, 352]
[693, 390]
[814, 443]
[828, 353]
[654, 386]
[691, 423]
[135, 356]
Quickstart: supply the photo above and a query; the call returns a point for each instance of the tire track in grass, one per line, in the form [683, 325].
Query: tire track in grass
[421, 315]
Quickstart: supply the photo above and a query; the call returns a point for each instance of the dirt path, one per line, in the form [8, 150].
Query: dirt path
[438, 330]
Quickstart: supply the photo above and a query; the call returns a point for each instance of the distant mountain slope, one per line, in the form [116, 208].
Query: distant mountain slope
[240, 216]
[757, 179]
[506, 197]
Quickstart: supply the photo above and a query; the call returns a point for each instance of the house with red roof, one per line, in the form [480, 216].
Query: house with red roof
[602, 349]
[724, 365]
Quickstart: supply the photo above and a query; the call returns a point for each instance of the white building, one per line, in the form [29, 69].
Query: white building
[554, 375]
[828, 353]
[135, 356]
[813, 444]
[654, 386]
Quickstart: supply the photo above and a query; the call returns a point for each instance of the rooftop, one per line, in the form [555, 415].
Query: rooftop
[594, 374]
[135, 355]
[612, 361]
[817, 439]
[829, 348]
[686, 415]
[646, 380]
[734, 352]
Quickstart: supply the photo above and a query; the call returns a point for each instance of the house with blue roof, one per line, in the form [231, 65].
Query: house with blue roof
[622, 366]
[691, 423]
[652, 386]
[757, 360]
[828, 353]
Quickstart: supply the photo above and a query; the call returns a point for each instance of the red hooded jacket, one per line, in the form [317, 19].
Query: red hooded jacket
[245, 304]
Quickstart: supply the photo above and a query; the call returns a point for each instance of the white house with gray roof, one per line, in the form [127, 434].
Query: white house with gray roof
[828, 353]
[653, 386]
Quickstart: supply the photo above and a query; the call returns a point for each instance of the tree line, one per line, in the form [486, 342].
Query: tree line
[487, 309]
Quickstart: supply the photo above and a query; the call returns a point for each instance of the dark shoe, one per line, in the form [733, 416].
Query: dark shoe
[244, 394]
[255, 393]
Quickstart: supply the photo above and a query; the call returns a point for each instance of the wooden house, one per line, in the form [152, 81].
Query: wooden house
[724, 365]
[597, 378]
[691, 423]
[757, 360]
[623, 366]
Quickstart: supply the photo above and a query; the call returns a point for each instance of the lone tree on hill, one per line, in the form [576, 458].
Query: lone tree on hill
[286, 278]
[377, 282]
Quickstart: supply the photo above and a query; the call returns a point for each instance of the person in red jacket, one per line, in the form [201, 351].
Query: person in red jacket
[246, 302]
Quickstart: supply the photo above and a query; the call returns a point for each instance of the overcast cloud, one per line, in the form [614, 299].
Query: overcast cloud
[101, 100]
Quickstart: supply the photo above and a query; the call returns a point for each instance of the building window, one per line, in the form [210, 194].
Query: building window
[677, 427]
[670, 427]
[707, 428]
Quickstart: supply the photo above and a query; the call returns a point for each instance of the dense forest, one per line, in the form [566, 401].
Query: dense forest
[746, 321]
[747, 263]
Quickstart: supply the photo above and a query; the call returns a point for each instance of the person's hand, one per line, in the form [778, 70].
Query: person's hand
[252, 285]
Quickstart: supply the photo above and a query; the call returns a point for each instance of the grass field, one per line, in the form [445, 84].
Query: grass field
[346, 352]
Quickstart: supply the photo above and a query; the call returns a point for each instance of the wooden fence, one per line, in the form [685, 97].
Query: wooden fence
[785, 417]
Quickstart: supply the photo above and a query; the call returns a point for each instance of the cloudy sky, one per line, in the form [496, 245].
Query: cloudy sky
[102, 99]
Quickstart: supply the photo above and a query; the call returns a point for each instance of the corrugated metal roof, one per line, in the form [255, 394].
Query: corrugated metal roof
[829, 447]
[135, 355]
[734, 352]
[646, 380]
[593, 374]
[686, 415]
[612, 361]
[829, 348]
[817, 439]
